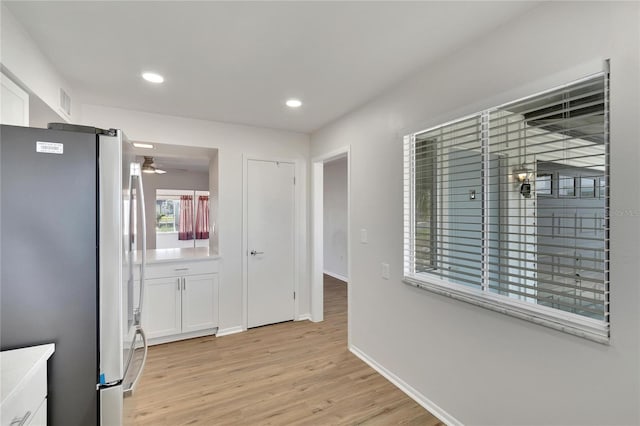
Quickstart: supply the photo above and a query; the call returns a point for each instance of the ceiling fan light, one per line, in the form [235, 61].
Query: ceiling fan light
[147, 166]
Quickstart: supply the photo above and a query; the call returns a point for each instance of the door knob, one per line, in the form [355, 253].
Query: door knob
[253, 252]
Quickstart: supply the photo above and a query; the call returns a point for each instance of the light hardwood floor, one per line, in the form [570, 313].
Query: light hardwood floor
[282, 374]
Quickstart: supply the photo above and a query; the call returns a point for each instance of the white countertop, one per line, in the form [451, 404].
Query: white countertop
[177, 254]
[19, 365]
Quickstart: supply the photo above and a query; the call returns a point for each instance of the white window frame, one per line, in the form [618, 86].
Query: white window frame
[575, 324]
[161, 192]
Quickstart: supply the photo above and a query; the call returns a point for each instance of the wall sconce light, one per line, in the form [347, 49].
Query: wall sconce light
[522, 175]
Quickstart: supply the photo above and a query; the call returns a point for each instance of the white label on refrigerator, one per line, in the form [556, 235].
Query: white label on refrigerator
[49, 147]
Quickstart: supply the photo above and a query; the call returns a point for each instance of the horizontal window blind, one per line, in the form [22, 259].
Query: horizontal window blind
[513, 201]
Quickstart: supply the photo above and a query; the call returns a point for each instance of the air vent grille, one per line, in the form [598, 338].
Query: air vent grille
[65, 102]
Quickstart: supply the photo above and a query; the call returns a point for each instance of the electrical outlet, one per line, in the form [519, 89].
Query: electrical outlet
[363, 236]
[385, 271]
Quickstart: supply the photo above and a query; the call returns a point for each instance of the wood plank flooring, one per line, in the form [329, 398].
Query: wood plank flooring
[282, 374]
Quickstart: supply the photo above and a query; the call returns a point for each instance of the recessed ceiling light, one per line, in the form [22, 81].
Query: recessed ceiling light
[152, 77]
[293, 103]
[143, 145]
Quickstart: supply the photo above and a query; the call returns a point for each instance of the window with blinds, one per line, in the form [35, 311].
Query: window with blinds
[508, 208]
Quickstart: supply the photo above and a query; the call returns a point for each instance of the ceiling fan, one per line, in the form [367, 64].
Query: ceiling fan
[149, 167]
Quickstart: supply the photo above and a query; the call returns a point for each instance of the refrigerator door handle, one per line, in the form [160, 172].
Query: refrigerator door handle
[143, 263]
[132, 224]
[128, 391]
[21, 421]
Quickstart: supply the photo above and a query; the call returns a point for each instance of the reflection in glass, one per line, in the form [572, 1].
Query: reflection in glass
[566, 186]
[552, 247]
[448, 220]
[474, 227]
[544, 184]
[587, 188]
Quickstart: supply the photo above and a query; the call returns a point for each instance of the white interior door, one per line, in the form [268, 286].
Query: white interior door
[270, 242]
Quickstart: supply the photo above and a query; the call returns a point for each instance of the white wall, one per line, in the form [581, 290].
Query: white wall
[335, 218]
[232, 142]
[40, 114]
[479, 366]
[27, 65]
[173, 179]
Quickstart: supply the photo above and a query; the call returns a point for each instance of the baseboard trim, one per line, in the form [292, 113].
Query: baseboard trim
[230, 330]
[412, 393]
[304, 317]
[184, 336]
[337, 276]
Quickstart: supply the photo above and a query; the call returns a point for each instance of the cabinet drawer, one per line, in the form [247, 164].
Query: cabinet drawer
[173, 269]
[26, 400]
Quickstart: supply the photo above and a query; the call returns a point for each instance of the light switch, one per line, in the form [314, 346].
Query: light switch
[363, 236]
[385, 271]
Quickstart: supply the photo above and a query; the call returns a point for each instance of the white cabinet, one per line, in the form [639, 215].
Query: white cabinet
[162, 306]
[199, 293]
[23, 387]
[180, 300]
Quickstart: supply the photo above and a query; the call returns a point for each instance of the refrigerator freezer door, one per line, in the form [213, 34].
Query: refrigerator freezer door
[111, 412]
[49, 265]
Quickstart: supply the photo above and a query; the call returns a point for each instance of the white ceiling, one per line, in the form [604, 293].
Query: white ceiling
[239, 61]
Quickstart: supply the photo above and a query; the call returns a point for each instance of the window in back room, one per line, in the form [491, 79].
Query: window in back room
[182, 218]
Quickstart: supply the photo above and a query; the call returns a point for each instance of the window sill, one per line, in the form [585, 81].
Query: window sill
[587, 328]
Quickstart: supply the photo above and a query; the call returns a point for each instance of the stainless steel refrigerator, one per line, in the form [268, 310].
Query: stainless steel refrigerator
[71, 201]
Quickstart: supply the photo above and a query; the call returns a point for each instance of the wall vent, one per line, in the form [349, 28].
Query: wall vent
[65, 102]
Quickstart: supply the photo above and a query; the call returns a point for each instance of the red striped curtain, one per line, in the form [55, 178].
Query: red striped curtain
[185, 228]
[202, 218]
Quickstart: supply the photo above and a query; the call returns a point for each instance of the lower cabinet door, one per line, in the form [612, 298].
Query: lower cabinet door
[199, 307]
[161, 310]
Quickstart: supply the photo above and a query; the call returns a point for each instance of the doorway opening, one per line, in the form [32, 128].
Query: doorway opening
[335, 256]
[331, 217]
